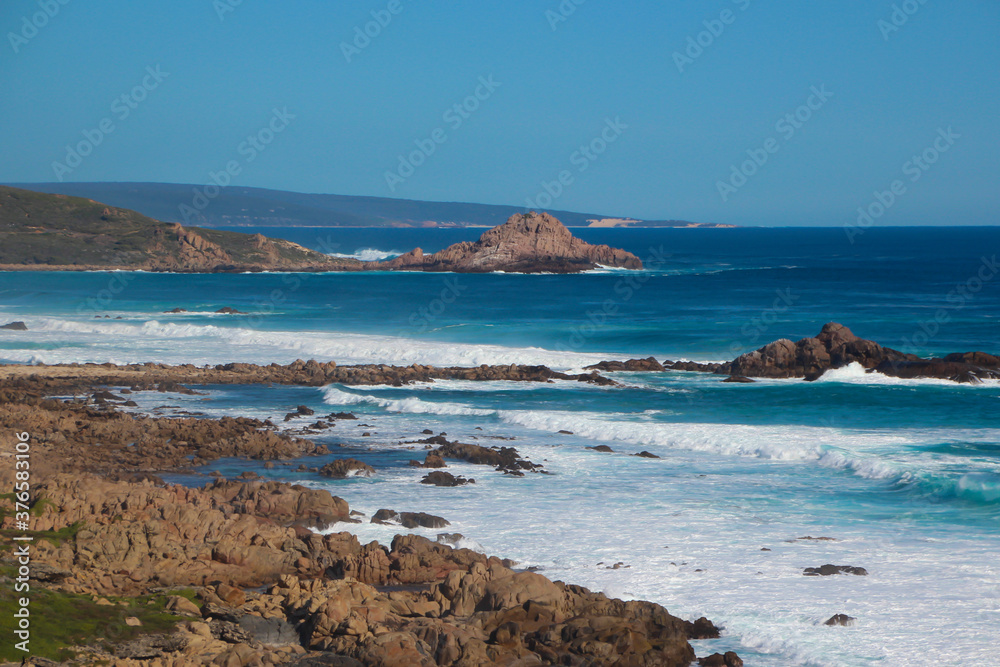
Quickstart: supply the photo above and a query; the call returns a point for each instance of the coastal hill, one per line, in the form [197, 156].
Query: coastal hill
[241, 207]
[526, 243]
[39, 230]
[56, 231]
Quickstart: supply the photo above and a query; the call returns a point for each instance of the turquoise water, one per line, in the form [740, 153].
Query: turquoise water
[905, 475]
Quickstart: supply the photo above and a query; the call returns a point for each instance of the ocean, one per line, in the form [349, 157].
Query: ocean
[903, 476]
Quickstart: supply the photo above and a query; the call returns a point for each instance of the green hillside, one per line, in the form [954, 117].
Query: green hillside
[47, 230]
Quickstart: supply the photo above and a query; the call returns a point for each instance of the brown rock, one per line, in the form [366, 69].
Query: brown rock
[526, 243]
[347, 468]
[840, 619]
[441, 478]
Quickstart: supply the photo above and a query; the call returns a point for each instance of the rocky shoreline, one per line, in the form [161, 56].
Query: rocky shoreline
[232, 573]
[80, 378]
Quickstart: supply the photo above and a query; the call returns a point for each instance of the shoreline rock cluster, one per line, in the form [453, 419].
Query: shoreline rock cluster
[79, 378]
[243, 579]
[834, 347]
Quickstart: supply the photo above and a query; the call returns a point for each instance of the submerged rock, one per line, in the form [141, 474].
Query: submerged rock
[827, 570]
[840, 619]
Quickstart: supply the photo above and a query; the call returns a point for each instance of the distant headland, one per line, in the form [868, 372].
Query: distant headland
[40, 231]
[213, 206]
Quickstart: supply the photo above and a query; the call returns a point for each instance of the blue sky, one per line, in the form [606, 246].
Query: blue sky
[681, 123]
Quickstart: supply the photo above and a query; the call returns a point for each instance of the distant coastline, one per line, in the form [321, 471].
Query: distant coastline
[257, 207]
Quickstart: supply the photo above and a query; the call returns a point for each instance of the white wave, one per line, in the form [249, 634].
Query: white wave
[182, 342]
[335, 396]
[855, 373]
[601, 268]
[367, 254]
[862, 453]
[859, 453]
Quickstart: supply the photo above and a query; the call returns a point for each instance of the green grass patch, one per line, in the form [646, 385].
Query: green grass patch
[56, 537]
[60, 621]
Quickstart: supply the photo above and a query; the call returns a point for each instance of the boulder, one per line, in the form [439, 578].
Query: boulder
[840, 619]
[409, 519]
[441, 478]
[728, 659]
[15, 326]
[347, 468]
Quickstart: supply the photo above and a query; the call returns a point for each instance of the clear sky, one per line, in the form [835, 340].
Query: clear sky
[664, 122]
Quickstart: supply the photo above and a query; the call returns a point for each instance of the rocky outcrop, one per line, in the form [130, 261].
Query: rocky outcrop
[834, 347]
[442, 478]
[115, 443]
[416, 602]
[15, 326]
[648, 364]
[526, 243]
[347, 468]
[409, 519]
[503, 459]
